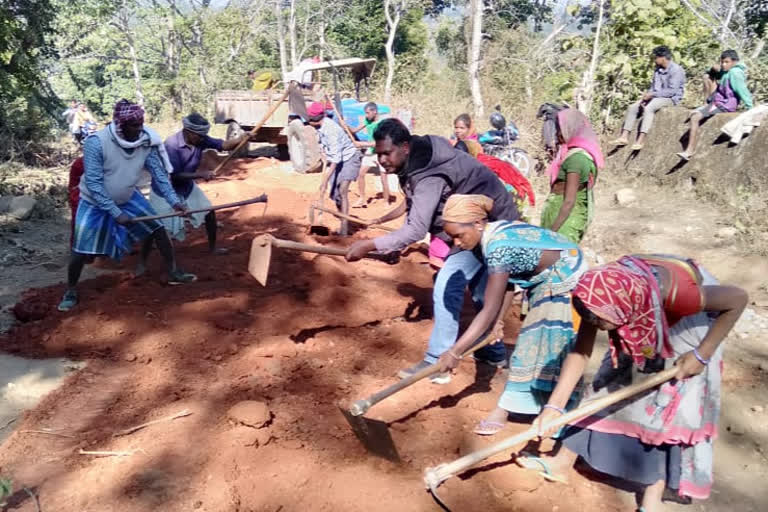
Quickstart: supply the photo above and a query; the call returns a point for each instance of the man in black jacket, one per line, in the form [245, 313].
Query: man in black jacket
[430, 170]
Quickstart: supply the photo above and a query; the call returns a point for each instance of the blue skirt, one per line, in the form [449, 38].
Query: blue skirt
[97, 232]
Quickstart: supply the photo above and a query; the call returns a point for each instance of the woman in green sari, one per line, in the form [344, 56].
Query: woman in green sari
[570, 206]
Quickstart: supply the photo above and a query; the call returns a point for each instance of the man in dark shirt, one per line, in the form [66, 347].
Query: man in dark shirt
[430, 170]
[185, 151]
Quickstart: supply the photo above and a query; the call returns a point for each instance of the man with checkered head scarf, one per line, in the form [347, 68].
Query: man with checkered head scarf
[114, 159]
[185, 152]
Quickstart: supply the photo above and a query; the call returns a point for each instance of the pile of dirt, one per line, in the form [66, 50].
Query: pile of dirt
[730, 175]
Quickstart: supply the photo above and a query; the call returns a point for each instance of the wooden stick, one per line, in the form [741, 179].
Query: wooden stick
[185, 412]
[341, 119]
[46, 432]
[433, 477]
[261, 199]
[253, 131]
[351, 218]
[107, 454]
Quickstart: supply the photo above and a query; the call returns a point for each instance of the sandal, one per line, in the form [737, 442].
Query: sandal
[528, 461]
[489, 428]
[68, 301]
[181, 277]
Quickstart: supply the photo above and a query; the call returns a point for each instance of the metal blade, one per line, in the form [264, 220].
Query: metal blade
[374, 435]
[259, 260]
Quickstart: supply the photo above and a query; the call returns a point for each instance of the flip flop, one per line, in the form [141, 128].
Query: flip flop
[489, 428]
[528, 461]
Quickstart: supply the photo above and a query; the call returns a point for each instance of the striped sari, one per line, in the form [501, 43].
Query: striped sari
[549, 329]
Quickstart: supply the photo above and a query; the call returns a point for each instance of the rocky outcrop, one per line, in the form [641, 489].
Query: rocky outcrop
[734, 175]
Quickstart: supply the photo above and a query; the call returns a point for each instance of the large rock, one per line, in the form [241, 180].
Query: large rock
[20, 207]
[250, 413]
[732, 175]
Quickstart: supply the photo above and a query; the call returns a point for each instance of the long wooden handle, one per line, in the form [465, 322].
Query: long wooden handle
[433, 477]
[342, 122]
[253, 131]
[351, 218]
[261, 199]
[321, 249]
[361, 406]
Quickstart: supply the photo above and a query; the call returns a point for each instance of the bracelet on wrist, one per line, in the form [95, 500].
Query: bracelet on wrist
[703, 361]
[554, 408]
[453, 355]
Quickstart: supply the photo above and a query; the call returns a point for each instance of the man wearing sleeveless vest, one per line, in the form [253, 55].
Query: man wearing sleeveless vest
[114, 159]
[430, 170]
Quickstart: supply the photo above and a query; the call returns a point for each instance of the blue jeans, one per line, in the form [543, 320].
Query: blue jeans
[460, 270]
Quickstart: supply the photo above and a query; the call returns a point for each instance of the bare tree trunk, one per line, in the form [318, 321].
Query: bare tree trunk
[321, 35]
[292, 34]
[474, 50]
[122, 25]
[393, 20]
[587, 89]
[281, 39]
[172, 64]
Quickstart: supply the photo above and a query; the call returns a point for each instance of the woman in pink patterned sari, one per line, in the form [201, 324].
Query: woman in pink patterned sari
[659, 311]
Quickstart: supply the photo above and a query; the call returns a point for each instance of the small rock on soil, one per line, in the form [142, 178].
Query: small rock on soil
[250, 413]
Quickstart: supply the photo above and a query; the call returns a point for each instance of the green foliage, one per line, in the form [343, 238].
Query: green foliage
[6, 489]
[25, 99]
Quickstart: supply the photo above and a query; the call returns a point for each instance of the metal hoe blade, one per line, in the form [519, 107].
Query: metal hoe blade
[261, 255]
[374, 435]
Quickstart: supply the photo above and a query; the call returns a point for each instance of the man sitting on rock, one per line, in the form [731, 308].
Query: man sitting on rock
[727, 84]
[114, 159]
[430, 170]
[667, 89]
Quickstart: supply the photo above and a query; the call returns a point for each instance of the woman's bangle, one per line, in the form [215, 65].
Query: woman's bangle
[554, 408]
[703, 361]
[453, 355]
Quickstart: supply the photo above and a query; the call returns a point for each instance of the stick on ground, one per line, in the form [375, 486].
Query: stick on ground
[46, 432]
[107, 454]
[185, 412]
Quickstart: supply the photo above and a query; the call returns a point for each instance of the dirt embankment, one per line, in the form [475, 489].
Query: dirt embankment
[731, 175]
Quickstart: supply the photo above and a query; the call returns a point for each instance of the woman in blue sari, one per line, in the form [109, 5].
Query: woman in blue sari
[547, 266]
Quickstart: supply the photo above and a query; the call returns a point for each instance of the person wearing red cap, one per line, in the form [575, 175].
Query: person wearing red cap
[343, 159]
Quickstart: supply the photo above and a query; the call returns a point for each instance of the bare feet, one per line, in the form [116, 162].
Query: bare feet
[493, 423]
[621, 141]
[652, 497]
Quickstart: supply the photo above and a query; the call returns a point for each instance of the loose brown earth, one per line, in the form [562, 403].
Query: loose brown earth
[321, 333]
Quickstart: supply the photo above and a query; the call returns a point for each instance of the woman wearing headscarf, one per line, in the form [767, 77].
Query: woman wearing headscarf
[544, 264]
[659, 311]
[570, 206]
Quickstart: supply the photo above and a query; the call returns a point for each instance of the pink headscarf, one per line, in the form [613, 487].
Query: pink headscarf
[577, 133]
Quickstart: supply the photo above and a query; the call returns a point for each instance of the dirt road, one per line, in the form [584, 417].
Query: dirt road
[322, 332]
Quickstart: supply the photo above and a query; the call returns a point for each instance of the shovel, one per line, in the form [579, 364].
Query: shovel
[350, 218]
[261, 254]
[261, 199]
[374, 434]
[433, 477]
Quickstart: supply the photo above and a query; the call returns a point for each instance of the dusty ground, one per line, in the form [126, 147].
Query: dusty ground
[321, 333]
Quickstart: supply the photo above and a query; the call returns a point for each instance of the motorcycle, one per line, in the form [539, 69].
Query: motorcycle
[498, 141]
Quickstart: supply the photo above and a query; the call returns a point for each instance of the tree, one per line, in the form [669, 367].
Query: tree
[393, 10]
[474, 47]
[587, 89]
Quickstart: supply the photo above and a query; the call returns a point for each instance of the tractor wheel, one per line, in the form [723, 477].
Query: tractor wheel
[303, 146]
